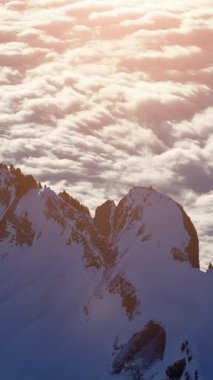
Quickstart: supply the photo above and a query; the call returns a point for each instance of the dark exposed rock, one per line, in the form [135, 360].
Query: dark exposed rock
[125, 215]
[90, 257]
[192, 249]
[4, 233]
[5, 196]
[120, 216]
[24, 233]
[120, 285]
[73, 202]
[52, 211]
[175, 371]
[185, 349]
[23, 183]
[210, 266]
[103, 218]
[147, 345]
[179, 254]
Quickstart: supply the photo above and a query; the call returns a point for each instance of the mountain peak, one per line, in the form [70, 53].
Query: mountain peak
[143, 215]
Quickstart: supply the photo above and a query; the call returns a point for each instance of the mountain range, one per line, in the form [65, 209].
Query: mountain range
[116, 296]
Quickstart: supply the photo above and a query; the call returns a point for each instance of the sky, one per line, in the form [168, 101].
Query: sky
[99, 96]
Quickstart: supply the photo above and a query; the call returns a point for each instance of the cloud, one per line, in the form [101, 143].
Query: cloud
[98, 96]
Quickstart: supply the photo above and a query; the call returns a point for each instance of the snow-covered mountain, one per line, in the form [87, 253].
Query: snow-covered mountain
[117, 296]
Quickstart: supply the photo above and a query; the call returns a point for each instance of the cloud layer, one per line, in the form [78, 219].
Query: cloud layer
[99, 96]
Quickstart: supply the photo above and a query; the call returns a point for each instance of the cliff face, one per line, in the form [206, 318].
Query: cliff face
[104, 217]
[192, 249]
[125, 283]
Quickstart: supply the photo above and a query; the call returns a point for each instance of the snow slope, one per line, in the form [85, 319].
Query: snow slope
[77, 293]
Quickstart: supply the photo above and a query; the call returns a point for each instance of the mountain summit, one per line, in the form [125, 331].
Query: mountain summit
[126, 283]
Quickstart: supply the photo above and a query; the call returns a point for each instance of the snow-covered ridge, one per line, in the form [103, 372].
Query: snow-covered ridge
[126, 282]
[142, 215]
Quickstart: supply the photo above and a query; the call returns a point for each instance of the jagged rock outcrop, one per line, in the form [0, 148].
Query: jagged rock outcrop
[184, 366]
[143, 349]
[104, 216]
